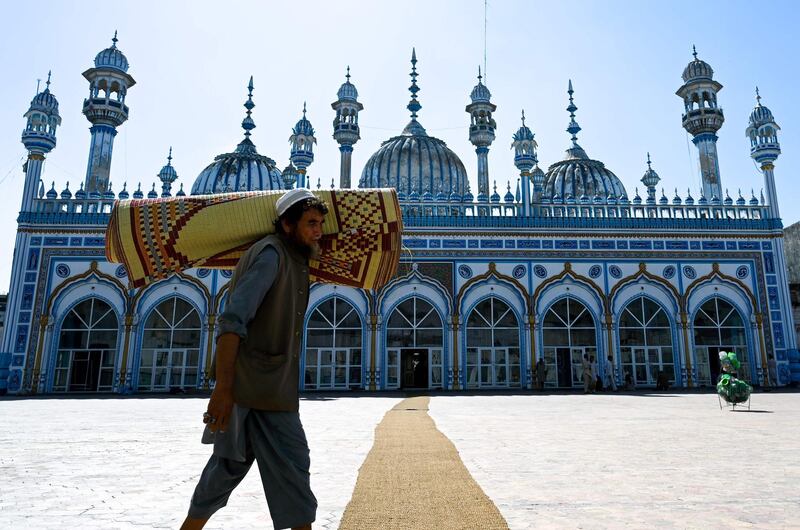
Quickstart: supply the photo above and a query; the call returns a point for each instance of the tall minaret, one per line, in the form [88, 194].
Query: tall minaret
[302, 153]
[650, 179]
[39, 138]
[764, 149]
[702, 119]
[481, 131]
[524, 158]
[105, 108]
[345, 126]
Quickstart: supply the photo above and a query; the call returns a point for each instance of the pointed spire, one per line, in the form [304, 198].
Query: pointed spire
[169, 156]
[47, 84]
[38, 82]
[758, 96]
[248, 124]
[694, 52]
[114, 40]
[480, 77]
[304, 110]
[348, 73]
[523, 117]
[648, 161]
[573, 127]
[413, 105]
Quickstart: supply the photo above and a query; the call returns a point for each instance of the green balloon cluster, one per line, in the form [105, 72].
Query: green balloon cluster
[731, 388]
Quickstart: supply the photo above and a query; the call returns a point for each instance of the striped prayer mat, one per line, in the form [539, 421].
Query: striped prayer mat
[154, 238]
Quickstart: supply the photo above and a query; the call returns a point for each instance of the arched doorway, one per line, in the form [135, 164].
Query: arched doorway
[493, 357]
[414, 346]
[568, 333]
[645, 340]
[87, 348]
[170, 347]
[718, 326]
[333, 351]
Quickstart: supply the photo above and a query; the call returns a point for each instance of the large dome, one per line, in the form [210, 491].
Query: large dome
[242, 170]
[578, 175]
[417, 162]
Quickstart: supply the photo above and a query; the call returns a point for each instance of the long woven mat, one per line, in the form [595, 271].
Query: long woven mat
[414, 479]
[154, 238]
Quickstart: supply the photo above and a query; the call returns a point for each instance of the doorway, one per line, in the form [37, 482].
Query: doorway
[85, 371]
[414, 364]
[564, 367]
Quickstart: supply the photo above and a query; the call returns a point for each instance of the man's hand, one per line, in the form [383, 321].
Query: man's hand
[221, 403]
[219, 409]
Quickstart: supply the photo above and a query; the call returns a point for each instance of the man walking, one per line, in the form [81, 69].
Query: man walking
[253, 411]
[608, 369]
[541, 373]
[586, 374]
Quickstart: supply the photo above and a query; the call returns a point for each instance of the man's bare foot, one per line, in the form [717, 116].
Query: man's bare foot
[196, 524]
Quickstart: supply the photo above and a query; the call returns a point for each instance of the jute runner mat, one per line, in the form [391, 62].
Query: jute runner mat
[413, 478]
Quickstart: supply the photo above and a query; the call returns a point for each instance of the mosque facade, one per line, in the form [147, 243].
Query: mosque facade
[564, 264]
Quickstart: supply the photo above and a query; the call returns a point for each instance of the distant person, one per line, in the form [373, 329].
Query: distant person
[772, 370]
[629, 381]
[541, 373]
[586, 374]
[609, 382]
[662, 380]
[595, 375]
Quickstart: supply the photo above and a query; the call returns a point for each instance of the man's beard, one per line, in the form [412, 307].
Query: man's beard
[311, 251]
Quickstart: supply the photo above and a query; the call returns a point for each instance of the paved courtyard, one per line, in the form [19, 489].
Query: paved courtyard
[546, 461]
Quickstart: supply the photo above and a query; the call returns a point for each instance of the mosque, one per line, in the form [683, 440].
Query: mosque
[563, 265]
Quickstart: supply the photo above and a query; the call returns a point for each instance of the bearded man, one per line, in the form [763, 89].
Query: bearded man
[253, 411]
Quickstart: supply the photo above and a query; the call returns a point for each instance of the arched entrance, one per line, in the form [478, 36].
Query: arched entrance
[170, 347]
[493, 357]
[333, 347]
[718, 326]
[568, 333]
[87, 348]
[414, 346]
[645, 340]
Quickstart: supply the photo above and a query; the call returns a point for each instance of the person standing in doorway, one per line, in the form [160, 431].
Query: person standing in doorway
[541, 373]
[586, 374]
[253, 413]
[595, 376]
[610, 382]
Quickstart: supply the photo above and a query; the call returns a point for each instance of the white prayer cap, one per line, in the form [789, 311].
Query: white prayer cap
[291, 198]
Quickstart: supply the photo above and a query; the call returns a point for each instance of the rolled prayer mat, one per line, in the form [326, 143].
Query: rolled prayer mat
[153, 238]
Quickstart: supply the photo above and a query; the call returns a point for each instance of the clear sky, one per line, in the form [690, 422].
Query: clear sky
[192, 61]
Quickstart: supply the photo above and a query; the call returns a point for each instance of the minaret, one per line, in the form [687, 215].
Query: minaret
[764, 149]
[105, 108]
[575, 151]
[650, 179]
[481, 131]
[345, 127]
[524, 158]
[167, 176]
[702, 119]
[302, 154]
[39, 138]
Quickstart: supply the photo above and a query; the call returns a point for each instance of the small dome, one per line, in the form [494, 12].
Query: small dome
[109, 193]
[138, 193]
[697, 69]
[480, 94]
[347, 91]
[181, 193]
[81, 193]
[112, 57]
[303, 126]
[650, 177]
[168, 173]
[152, 194]
[45, 101]
[761, 115]
[52, 193]
[124, 195]
[66, 194]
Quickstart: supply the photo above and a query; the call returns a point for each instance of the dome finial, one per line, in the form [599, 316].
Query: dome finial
[304, 109]
[114, 40]
[523, 117]
[47, 88]
[348, 73]
[573, 127]
[169, 156]
[413, 105]
[480, 77]
[248, 124]
[758, 96]
[648, 161]
[694, 52]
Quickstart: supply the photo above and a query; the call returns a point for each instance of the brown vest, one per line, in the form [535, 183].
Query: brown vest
[268, 361]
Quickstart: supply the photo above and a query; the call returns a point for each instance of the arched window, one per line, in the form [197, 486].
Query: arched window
[414, 339]
[493, 357]
[87, 348]
[333, 347]
[170, 347]
[645, 340]
[718, 326]
[568, 333]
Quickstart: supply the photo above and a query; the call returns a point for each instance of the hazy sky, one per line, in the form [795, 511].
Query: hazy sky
[192, 61]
